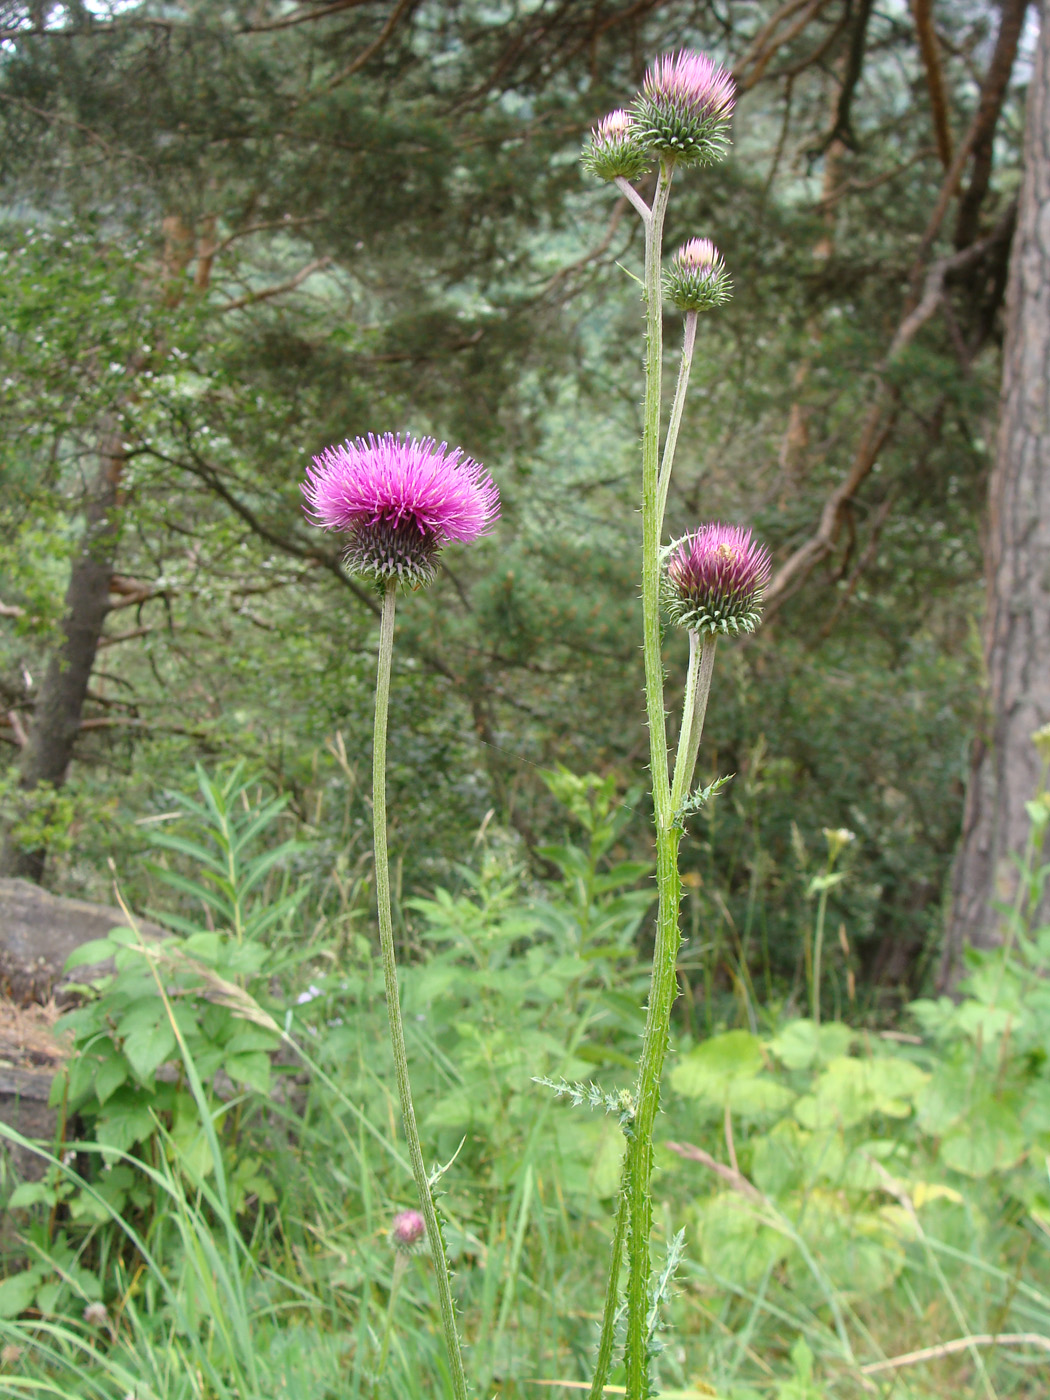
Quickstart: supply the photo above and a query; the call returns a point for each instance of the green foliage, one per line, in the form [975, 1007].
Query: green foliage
[837, 1227]
[200, 995]
[39, 816]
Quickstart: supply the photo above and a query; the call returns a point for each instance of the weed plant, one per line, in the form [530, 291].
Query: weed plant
[849, 1197]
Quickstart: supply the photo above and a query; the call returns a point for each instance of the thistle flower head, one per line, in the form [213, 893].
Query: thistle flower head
[408, 1231]
[684, 107]
[697, 278]
[615, 149]
[399, 500]
[96, 1315]
[715, 580]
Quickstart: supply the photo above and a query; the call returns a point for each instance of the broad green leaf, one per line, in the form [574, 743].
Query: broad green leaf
[850, 1090]
[706, 1072]
[96, 950]
[802, 1043]
[251, 1068]
[991, 1139]
[149, 1045]
[109, 1076]
[124, 1121]
[735, 1243]
[26, 1194]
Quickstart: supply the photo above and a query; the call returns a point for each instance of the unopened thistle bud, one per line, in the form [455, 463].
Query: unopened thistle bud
[684, 107]
[697, 278]
[408, 1232]
[399, 500]
[615, 150]
[715, 580]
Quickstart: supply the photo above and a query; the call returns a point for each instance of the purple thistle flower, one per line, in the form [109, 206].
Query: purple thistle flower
[399, 500]
[697, 278]
[615, 150]
[408, 1231]
[684, 108]
[715, 580]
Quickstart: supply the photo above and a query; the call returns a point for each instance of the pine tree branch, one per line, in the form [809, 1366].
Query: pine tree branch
[922, 13]
[267, 292]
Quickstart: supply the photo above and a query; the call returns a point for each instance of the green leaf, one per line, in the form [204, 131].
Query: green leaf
[801, 1044]
[200, 855]
[735, 1243]
[18, 1291]
[990, 1140]
[109, 1076]
[850, 1090]
[252, 1068]
[29, 1193]
[147, 1042]
[96, 950]
[707, 1071]
[125, 1121]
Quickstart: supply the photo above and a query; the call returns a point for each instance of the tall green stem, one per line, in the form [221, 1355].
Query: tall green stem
[612, 1294]
[654, 329]
[663, 985]
[393, 1000]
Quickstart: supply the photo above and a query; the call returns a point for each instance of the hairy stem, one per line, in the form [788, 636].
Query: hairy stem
[393, 1000]
[663, 985]
[612, 1296]
[630, 193]
[688, 342]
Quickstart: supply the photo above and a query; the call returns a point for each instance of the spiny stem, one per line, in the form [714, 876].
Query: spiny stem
[612, 1296]
[663, 984]
[393, 1000]
[688, 342]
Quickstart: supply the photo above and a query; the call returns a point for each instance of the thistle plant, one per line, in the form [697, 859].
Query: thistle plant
[398, 501]
[711, 583]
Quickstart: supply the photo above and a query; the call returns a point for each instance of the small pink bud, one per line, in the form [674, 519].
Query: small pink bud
[407, 1231]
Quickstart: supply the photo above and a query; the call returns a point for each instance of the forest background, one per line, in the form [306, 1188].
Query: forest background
[234, 234]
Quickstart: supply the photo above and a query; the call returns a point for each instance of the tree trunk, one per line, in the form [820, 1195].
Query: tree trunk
[57, 713]
[1005, 766]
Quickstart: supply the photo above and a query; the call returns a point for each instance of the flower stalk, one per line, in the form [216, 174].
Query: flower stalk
[712, 585]
[393, 1000]
[677, 409]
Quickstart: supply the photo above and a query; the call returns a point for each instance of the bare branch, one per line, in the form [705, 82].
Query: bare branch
[762, 59]
[285, 221]
[730, 1175]
[980, 1339]
[922, 12]
[981, 128]
[402, 8]
[306, 16]
[881, 418]
[18, 733]
[267, 292]
[124, 637]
